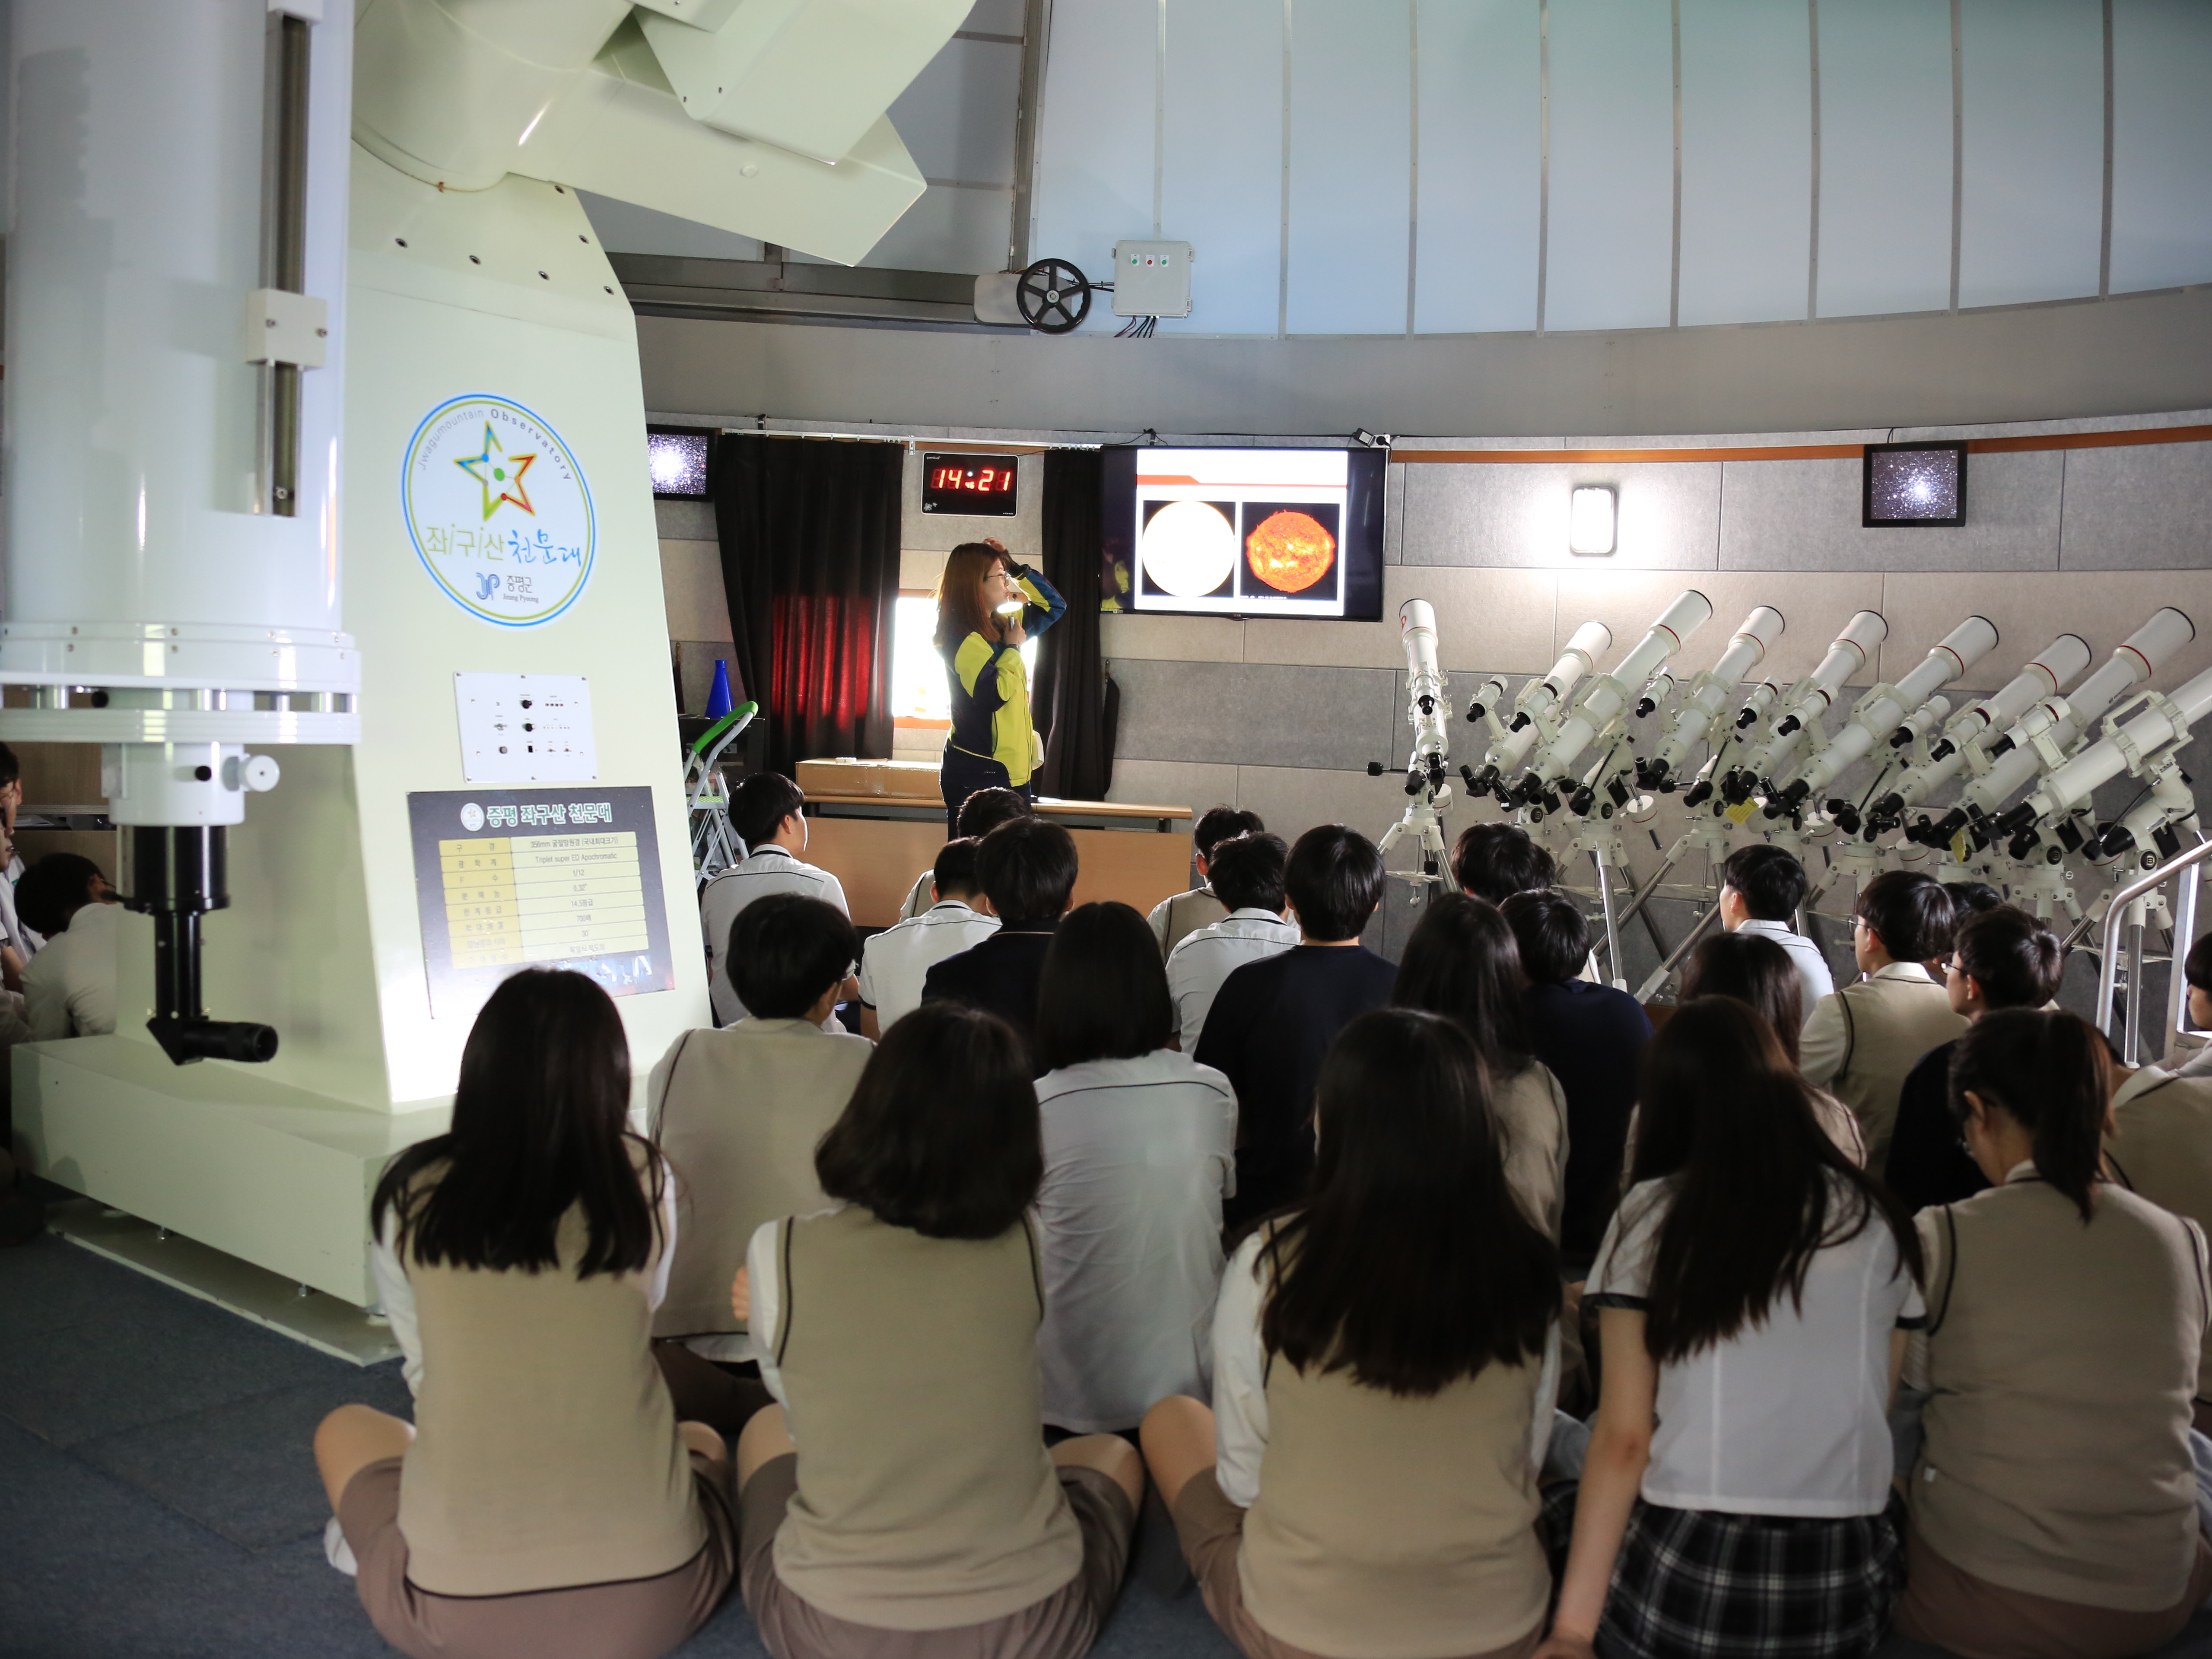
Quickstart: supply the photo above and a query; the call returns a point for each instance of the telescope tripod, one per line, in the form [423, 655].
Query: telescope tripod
[1424, 821]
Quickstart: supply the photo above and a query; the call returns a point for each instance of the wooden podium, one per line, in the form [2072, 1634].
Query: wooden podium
[877, 824]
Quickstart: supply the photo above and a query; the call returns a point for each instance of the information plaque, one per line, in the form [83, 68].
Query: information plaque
[508, 879]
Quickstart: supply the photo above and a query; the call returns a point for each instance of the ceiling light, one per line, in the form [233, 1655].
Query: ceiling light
[1591, 524]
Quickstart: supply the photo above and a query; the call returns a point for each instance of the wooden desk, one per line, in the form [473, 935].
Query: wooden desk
[875, 845]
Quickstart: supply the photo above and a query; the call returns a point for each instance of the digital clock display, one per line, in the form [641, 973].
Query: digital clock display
[978, 486]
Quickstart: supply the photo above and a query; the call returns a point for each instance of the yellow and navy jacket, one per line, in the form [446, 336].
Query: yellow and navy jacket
[990, 684]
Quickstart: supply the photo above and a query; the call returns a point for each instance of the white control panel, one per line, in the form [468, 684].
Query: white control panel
[525, 728]
[1151, 279]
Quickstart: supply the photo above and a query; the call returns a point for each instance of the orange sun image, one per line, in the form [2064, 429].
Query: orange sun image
[1290, 551]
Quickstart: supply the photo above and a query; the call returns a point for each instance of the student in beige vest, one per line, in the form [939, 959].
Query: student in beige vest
[2159, 1146]
[739, 1112]
[1384, 1359]
[2055, 1500]
[1754, 969]
[1463, 962]
[1861, 1041]
[918, 1513]
[545, 1504]
[1752, 1292]
[1175, 920]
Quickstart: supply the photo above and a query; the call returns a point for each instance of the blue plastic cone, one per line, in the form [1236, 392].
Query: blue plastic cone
[719, 701]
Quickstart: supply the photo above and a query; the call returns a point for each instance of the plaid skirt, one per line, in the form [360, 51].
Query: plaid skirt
[1698, 1584]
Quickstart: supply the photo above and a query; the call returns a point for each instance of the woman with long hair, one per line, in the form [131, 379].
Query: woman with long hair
[2055, 1501]
[1756, 971]
[988, 604]
[1753, 1292]
[917, 1510]
[1385, 1358]
[545, 1500]
[1140, 1146]
[1463, 962]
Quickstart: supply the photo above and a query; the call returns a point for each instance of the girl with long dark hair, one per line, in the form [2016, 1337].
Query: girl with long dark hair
[1385, 1358]
[545, 1500]
[1463, 962]
[1755, 970]
[2055, 1501]
[918, 1510]
[988, 605]
[1139, 1145]
[1753, 1292]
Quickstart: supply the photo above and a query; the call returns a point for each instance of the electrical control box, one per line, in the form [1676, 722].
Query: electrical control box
[1151, 279]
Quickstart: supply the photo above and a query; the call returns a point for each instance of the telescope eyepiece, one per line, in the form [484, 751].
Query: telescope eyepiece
[1699, 793]
[1899, 737]
[1644, 706]
[1744, 717]
[1943, 751]
[1789, 724]
[1518, 722]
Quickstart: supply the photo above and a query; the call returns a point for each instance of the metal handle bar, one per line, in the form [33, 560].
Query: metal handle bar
[2108, 966]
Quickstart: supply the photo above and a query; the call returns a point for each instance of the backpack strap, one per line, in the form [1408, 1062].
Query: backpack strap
[1851, 1034]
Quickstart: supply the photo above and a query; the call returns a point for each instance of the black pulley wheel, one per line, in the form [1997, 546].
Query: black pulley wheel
[1054, 297]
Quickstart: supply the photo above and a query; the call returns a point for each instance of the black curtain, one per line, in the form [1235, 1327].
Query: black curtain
[1070, 702]
[810, 534]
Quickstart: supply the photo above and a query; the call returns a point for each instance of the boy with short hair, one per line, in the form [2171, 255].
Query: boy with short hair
[767, 810]
[1027, 868]
[1272, 1021]
[738, 1111]
[979, 814]
[1494, 861]
[1761, 887]
[894, 962]
[68, 988]
[1862, 1042]
[1246, 874]
[2197, 970]
[1592, 1037]
[1175, 920]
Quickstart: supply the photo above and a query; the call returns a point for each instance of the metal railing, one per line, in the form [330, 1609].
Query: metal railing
[2117, 915]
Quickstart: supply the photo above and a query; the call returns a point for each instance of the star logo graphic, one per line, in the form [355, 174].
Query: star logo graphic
[500, 474]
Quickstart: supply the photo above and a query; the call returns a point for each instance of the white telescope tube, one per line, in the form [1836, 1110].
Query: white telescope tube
[1417, 631]
[1809, 699]
[1607, 694]
[2070, 785]
[1540, 696]
[2051, 726]
[1879, 712]
[2059, 662]
[1709, 691]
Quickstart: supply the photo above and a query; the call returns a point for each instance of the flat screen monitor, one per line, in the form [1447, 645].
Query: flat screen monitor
[1246, 532]
[1909, 486]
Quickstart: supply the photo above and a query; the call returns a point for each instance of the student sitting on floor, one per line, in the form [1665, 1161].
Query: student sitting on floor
[1761, 887]
[1273, 1020]
[1175, 920]
[738, 1112]
[1027, 868]
[545, 1500]
[1591, 1037]
[2159, 1145]
[1139, 1151]
[2196, 969]
[2055, 1501]
[919, 1513]
[2003, 958]
[1753, 1292]
[69, 986]
[979, 814]
[1247, 872]
[894, 962]
[1494, 861]
[1860, 1042]
[1463, 962]
[1385, 1358]
[768, 812]
[1755, 970]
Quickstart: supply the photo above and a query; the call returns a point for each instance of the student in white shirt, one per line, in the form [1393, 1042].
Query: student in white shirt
[767, 810]
[1755, 1290]
[894, 962]
[979, 814]
[1385, 1355]
[1173, 920]
[1246, 874]
[1761, 887]
[1139, 1150]
[68, 988]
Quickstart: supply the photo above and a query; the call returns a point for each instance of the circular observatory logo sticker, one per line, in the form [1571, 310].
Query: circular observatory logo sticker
[498, 510]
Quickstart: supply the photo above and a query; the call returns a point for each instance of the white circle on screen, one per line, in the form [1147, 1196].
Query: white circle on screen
[1189, 548]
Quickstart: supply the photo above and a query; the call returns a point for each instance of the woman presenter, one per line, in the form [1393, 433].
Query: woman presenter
[986, 605]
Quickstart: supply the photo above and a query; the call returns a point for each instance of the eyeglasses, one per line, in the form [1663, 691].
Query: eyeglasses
[1953, 967]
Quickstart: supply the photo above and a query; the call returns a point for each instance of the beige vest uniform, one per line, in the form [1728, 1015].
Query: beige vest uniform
[744, 1110]
[546, 1453]
[1891, 1023]
[926, 1498]
[1186, 912]
[2161, 1147]
[2062, 1357]
[1394, 1528]
[1533, 1109]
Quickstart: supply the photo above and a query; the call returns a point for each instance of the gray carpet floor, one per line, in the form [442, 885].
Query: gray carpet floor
[157, 1498]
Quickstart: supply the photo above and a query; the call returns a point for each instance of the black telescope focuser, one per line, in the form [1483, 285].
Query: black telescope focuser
[1939, 832]
[1652, 774]
[1890, 807]
[1699, 792]
[177, 875]
[1745, 716]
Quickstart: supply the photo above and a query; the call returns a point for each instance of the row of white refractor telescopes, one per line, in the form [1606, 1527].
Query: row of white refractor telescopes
[2026, 758]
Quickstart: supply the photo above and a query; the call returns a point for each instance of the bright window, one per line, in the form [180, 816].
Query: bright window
[919, 695]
